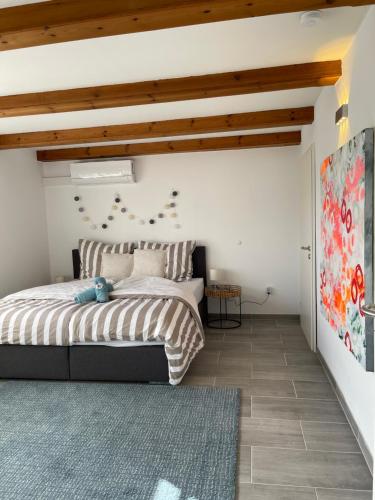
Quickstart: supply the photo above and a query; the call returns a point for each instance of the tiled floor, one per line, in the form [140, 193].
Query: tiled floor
[295, 442]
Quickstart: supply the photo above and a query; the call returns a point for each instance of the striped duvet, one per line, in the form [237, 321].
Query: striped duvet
[145, 309]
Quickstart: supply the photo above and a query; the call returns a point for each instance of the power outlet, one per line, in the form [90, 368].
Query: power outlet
[269, 290]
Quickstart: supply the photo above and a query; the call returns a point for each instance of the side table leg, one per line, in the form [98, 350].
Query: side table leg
[240, 310]
[221, 316]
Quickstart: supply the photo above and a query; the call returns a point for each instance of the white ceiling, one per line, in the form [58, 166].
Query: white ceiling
[209, 48]
[14, 3]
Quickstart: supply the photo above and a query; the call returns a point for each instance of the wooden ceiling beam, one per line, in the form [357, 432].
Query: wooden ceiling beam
[315, 74]
[165, 147]
[59, 21]
[165, 128]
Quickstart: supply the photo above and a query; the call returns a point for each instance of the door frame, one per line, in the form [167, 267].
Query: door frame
[313, 183]
[314, 343]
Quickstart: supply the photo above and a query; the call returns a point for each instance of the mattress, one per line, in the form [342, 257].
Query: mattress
[141, 309]
[195, 285]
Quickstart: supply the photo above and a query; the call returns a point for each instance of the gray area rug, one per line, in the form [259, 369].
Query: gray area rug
[61, 440]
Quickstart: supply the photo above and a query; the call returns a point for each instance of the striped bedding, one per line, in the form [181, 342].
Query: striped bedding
[91, 255]
[179, 264]
[142, 309]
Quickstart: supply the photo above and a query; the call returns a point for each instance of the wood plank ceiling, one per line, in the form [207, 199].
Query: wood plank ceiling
[66, 20]
[179, 146]
[165, 128]
[296, 76]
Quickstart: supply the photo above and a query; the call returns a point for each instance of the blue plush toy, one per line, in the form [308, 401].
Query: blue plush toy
[86, 296]
[99, 293]
[102, 289]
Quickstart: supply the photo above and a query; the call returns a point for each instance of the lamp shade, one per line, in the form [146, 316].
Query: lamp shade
[216, 275]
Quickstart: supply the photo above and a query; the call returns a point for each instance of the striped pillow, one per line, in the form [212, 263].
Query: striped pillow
[179, 264]
[91, 252]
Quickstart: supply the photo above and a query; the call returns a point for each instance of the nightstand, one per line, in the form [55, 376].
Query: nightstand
[224, 293]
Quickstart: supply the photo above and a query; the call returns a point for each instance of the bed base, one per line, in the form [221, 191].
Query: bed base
[94, 363]
[135, 364]
[34, 362]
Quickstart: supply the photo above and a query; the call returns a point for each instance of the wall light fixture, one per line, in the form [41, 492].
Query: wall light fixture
[342, 114]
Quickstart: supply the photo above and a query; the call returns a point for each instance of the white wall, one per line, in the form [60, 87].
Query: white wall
[226, 198]
[357, 88]
[23, 230]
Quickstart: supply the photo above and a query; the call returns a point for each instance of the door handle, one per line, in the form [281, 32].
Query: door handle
[308, 248]
[369, 309]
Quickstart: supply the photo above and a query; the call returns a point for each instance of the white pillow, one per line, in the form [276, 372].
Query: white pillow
[179, 263]
[116, 266]
[90, 253]
[149, 263]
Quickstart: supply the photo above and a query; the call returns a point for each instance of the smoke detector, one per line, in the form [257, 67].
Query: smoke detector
[310, 18]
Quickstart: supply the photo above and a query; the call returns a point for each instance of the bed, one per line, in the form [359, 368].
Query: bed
[128, 362]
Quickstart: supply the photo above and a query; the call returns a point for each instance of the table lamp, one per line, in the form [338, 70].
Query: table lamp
[216, 276]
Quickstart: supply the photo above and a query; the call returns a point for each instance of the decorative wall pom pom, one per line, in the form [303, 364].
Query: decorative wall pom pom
[117, 204]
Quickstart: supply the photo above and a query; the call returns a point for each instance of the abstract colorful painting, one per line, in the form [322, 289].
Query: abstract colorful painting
[346, 263]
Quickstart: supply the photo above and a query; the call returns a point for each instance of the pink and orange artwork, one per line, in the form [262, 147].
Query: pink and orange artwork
[346, 263]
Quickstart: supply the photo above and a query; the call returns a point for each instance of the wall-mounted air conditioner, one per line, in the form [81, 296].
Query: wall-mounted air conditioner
[103, 172]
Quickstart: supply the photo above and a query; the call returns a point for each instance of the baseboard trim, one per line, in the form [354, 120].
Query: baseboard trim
[352, 422]
[294, 317]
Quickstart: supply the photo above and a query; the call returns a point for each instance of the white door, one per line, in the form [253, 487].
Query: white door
[307, 248]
